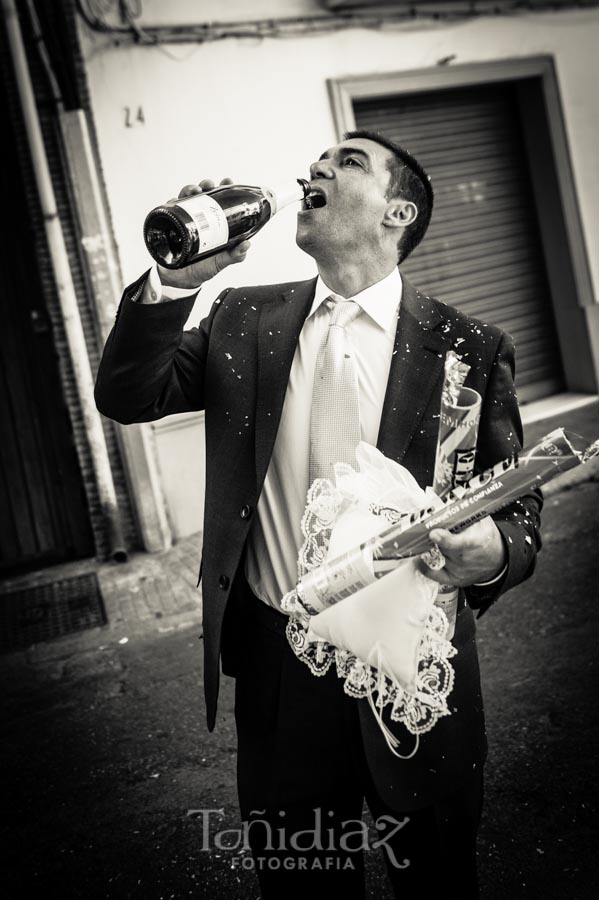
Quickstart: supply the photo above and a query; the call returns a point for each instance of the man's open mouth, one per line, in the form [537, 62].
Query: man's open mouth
[315, 199]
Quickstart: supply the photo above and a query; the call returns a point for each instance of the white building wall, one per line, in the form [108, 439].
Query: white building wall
[259, 111]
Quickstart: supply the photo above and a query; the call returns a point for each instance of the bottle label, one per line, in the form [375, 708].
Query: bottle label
[210, 220]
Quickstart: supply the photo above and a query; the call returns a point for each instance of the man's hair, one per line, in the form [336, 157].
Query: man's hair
[408, 179]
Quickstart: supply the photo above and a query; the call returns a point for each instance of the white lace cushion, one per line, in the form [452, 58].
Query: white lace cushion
[388, 641]
[384, 621]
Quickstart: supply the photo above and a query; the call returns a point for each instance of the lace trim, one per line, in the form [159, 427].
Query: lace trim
[419, 709]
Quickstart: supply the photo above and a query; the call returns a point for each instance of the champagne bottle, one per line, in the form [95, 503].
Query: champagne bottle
[181, 232]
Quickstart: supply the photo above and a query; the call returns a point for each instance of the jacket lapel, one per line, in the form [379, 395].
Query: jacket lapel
[416, 364]
[279, 326]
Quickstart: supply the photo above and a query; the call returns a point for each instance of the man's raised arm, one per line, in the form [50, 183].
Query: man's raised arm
[150, 366]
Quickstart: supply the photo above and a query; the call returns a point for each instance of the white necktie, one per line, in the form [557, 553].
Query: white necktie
[335, 415]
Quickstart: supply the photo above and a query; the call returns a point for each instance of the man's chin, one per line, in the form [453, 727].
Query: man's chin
[306, 240]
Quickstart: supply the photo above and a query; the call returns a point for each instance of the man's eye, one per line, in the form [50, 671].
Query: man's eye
[352, 160]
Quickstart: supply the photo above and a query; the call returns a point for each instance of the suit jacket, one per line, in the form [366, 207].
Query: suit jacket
[235, 366]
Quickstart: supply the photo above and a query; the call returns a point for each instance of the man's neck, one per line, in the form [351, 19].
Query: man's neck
[349, 279]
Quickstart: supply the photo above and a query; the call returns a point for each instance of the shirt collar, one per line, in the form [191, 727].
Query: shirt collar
[380, 301]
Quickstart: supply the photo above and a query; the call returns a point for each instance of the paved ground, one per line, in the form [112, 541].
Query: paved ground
[105, 750]
[151, 593]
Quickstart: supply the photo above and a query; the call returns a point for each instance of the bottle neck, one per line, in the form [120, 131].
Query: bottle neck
[293, 192]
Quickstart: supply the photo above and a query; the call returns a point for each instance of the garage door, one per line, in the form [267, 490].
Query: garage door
[482, 252]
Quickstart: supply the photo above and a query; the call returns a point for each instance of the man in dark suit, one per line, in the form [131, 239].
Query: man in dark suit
[308, 754]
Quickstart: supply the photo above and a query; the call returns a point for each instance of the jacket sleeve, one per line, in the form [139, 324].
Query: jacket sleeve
[150, 366]
[500, 436]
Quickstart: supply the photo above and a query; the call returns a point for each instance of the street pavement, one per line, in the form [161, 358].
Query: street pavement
[107, 762]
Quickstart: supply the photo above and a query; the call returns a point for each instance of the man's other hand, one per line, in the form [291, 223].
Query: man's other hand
[473, 556]
[193, 276]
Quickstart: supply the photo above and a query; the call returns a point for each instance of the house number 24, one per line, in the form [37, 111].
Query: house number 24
[134, 117]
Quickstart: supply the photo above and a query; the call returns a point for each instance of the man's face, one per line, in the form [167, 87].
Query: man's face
[350, 182]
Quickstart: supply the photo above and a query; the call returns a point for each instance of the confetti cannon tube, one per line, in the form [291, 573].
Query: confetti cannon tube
[456, 446]
[456, 452]
[458, 427]
[483, 495]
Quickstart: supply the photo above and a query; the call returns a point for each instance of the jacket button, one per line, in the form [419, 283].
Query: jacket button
[223, 582]
[245, 512]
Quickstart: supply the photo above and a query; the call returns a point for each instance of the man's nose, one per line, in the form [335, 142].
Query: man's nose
[323, 168]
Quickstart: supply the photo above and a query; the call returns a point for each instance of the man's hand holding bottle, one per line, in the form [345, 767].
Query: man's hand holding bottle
[206, 228]
[193, 276]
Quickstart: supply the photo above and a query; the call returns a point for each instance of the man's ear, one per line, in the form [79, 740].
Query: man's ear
[400, 213]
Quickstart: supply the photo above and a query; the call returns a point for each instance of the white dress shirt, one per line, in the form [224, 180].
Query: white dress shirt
[275, 536]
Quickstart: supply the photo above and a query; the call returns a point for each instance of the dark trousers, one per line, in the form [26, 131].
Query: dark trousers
[303, 778]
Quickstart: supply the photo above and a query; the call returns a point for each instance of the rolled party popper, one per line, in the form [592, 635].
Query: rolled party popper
[458, 427]
[454, 459]
[486, 493]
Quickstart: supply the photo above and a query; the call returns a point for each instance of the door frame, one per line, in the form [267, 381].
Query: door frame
[575, 308]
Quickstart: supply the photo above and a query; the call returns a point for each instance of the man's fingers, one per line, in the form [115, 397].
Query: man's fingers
[438, 575]
[433, 558]
[230, 257]
[240, 251]
[206, 184]
[474, 555]
[446, 541]
[237, 254]
[189, 190]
